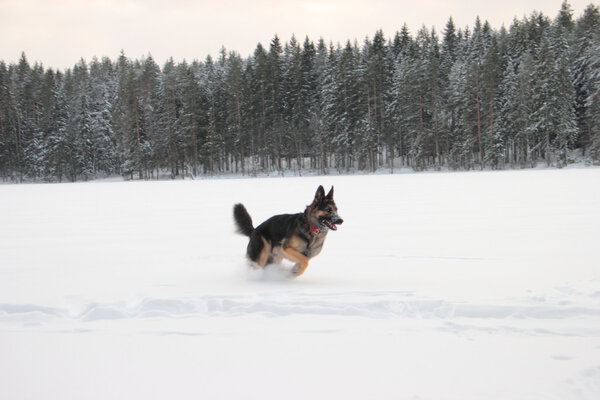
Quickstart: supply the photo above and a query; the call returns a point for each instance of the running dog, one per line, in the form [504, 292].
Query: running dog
[295, 237]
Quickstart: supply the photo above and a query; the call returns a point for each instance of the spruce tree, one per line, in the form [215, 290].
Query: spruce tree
[234, 78]
[584, 67]
[58, 144]
[5, 118]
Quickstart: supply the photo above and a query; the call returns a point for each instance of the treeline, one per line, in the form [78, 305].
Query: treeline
[473, 98]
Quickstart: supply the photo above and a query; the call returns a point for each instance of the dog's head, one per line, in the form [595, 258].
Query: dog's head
[322, 212]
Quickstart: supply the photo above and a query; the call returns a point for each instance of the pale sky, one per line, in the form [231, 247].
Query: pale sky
[60, 32]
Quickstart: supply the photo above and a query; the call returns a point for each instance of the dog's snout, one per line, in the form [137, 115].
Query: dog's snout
[338, 221]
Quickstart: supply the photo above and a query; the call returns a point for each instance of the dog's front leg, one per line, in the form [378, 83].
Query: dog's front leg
[298, 270]
[300, 259]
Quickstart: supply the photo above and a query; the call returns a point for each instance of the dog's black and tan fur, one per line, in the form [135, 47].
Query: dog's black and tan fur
[295, 237]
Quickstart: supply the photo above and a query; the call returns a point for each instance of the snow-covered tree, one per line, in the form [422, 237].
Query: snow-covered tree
[476, 97]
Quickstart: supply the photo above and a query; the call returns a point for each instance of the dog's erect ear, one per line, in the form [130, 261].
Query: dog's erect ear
[319, 195]
[330, 194]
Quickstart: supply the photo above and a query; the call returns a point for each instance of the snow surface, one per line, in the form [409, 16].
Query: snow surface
[479, 285]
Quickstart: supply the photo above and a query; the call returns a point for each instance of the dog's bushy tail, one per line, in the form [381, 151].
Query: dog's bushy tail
[243, 220]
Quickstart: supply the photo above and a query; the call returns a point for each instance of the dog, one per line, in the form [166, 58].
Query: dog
[295, 237]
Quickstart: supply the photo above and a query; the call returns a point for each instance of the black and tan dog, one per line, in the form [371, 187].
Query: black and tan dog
[296, 237]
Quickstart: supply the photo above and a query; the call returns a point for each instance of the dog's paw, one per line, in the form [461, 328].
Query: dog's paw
[297, 270]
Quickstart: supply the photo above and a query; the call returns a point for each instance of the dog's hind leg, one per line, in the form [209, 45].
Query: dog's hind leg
[263, 257]
[259, 250]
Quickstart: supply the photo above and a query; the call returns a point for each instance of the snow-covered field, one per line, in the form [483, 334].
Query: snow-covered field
[479, 285]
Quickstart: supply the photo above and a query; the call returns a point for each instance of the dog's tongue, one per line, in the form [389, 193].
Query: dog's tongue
[331, 226]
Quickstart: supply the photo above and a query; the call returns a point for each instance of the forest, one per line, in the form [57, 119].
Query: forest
[467, 98]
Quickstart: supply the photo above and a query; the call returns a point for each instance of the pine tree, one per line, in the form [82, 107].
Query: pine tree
[329, 104]
[585, 82]
[22, 105]
[564, 20]
[553, 122]
[541, 125]
[234, 102]
[433, 95]
[170, 146]
[398, 110]
[292, 103]
[6, 129]
[514, 110]
[248, 117]
[349, 113]
[308, 98]
[376, 77]
[478, 47]
[593, 100]
[493, 140]
[57, 141]
[213, 146]
[564, 98]
[318, 125]
[33, 151]
[48, 118]
[259, 87]
[147, 83]
[191, 121]
[460, 117]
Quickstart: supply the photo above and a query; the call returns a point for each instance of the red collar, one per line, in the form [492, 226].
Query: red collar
[315, 230]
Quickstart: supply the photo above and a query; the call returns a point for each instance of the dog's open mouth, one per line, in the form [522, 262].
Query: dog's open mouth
[331, 223]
